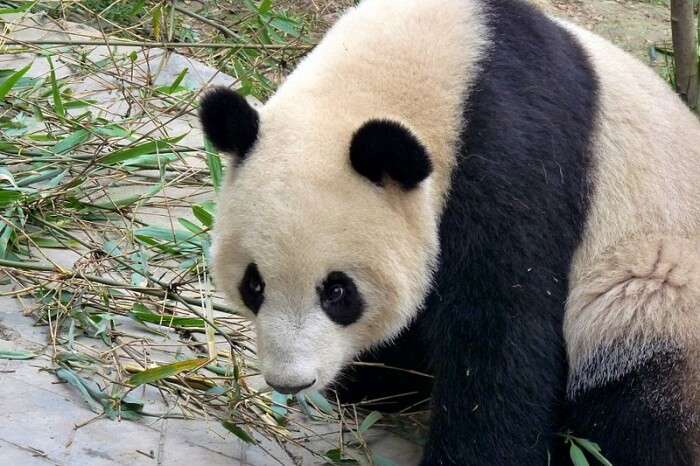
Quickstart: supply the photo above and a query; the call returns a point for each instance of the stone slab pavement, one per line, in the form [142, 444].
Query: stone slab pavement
[45, 422]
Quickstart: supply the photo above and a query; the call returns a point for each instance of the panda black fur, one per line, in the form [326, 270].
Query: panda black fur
[514, 207]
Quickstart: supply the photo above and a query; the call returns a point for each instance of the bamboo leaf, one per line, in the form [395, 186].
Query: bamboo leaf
[369, 421]
[320, 402]
[214, 165]
[72, 140]
[57, 101]
[18, 355]
[336, 457]
[178, 80]
[163, 372]
[203, 215]
[143, 314]
[126, 201]
[8, 197]
[5, 237]
[112, 131]
[190, 226]
[146, 148]
[279, 404]
[10, 82]
[73, 379]
[6, 175]
[577, 455]
[18, 9]
[238, 432]
[594, 449]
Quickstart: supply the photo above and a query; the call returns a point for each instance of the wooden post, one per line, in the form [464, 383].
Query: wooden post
[685, 50]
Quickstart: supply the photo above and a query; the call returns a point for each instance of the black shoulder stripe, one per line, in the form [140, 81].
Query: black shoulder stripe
[520, 191]
[514, 217]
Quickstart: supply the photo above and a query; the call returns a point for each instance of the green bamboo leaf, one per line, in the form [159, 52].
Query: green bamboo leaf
[369, 421]
[129, 200]
[203, 215]
[53, 243]
[5, 238]
[162, 372]
[112, 131]
[279, 404]
[57, 101]
[594, 449]
[72, 140]
[214, 165]
[8, 197]
[152, 160]
[320, 402]
[6, 175]
[216, 390]
[180, 237]
[18, 9]
[78, 103]
[140, 266]
[146, 148]
[56, 180]
[20, 355]
[143, 314]
[336, 457]
[76, 381]
[265, 6]
[577, 455]
[10, 82]
[224, 371]
[286, 25]
[190, 226]
[178, 80]
[238, 432]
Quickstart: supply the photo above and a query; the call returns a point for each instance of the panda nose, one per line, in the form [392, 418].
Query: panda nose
[290, 389]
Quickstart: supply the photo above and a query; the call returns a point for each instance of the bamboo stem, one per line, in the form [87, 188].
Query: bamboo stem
[166, 45]
[68, 273]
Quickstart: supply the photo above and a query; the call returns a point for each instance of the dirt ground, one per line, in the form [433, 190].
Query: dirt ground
[633, 25]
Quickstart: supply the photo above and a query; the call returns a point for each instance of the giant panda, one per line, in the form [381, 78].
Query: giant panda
[472, 190]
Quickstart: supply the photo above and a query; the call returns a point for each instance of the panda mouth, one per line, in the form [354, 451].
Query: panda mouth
[291, 389]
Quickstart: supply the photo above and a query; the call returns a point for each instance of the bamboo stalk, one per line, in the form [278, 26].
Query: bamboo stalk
[66, 273]
[152, 44]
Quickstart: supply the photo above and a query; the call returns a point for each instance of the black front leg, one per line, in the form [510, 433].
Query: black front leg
[498, 382]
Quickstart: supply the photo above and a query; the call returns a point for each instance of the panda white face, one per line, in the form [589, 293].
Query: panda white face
[327, 246]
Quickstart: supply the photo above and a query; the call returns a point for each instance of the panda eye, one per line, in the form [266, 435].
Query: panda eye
[340, 298]
[252, 288]
[255, 286]
[334, 294]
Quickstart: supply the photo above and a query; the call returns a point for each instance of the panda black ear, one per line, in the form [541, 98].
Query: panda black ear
[383, 148]
[228, 120]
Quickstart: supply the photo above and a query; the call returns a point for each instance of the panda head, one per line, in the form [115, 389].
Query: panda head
[326, 233]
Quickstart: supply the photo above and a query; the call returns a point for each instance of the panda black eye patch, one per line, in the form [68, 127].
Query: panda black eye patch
[340, 299]
[252, 288]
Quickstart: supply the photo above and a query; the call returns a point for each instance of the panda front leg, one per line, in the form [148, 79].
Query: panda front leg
[499, 381]
[632, 328]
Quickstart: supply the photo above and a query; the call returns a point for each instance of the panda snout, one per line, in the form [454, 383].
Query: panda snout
[289, 389]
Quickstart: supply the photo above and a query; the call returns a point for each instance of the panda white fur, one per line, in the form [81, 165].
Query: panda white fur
[471, 189]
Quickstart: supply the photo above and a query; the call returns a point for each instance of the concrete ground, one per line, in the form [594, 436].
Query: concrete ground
[46, 422]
